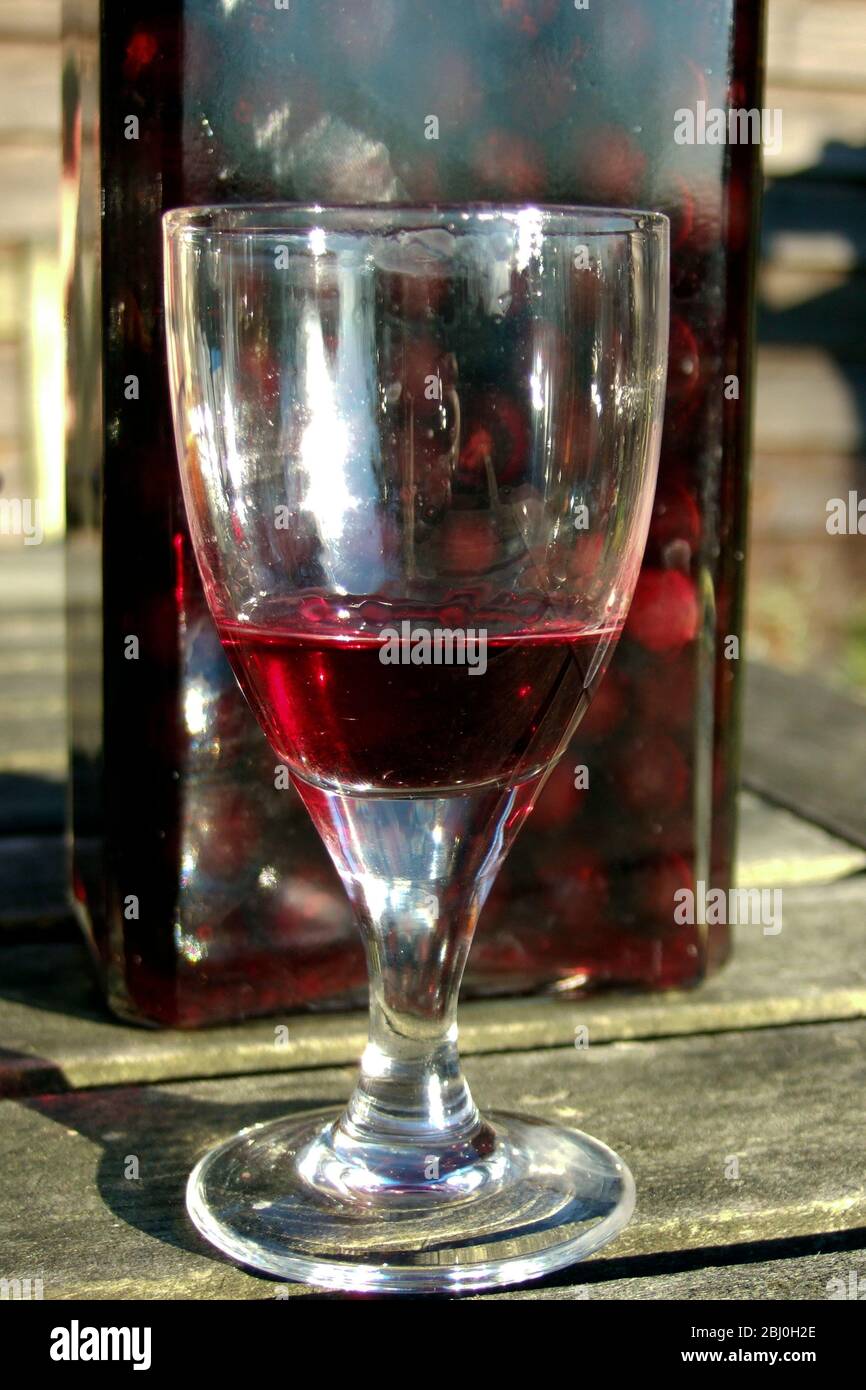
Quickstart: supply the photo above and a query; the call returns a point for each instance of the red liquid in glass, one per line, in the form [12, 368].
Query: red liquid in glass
[342, 717]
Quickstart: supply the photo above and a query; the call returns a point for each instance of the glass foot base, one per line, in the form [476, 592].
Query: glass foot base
[520, 1199]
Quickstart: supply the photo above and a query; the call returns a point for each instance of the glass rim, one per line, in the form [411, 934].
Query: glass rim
[383, 219]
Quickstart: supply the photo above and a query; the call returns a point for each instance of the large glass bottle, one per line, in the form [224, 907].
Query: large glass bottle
[198, 905]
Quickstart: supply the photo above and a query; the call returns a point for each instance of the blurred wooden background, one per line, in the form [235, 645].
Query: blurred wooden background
[30, 330]
[807, 590]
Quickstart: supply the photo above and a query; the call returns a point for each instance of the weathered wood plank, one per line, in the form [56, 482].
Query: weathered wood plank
[56, 1034]
[679, 1110]
[805, 748]
[779, 848]
[813, 1277]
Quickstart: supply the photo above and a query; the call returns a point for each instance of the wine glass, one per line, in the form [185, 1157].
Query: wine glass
[418, 449]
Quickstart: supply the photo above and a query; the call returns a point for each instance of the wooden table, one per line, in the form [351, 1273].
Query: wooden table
[739, 1106]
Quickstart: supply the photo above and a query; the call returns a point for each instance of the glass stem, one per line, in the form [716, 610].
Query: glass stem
[411, 1088]
[417, 871]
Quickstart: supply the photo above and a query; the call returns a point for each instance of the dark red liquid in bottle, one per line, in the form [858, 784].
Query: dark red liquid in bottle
[240, 911]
